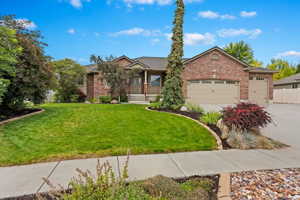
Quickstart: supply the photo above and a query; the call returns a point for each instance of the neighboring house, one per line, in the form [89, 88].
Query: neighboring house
[291, 82]
[287, 90]
[212, 77]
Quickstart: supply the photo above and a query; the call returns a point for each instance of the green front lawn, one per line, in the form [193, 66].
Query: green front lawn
[66, 131]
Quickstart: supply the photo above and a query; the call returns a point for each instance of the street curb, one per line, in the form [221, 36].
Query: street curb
[21, 117]
[224, 187]
[219, 142]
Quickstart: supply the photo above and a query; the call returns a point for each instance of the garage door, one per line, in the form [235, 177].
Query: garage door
[213, 92]
[258, 90]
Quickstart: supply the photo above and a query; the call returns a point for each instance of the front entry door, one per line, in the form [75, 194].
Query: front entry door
[136, 85]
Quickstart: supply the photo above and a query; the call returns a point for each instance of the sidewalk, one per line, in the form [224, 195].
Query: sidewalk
[20, 180]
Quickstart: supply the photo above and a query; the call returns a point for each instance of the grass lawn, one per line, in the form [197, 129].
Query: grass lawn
[66, 131]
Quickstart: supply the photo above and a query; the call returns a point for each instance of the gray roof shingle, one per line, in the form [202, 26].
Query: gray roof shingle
[288, 80]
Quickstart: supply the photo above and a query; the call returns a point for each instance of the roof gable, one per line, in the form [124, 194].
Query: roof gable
[221, 51]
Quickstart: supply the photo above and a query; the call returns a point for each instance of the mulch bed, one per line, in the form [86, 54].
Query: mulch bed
[193, 115]
[279, 184]
[20, 113]
[196, 116]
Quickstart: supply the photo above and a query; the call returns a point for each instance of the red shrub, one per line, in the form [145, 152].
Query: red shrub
[246, 116]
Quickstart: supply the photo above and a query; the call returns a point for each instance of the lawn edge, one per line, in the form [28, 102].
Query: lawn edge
[21, 117]
[219, 142]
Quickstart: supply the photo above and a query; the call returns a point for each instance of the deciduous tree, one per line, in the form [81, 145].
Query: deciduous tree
[33, 72]
[283, 67]
[69, 75]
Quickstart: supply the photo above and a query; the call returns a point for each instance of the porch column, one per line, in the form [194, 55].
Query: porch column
[145, 82]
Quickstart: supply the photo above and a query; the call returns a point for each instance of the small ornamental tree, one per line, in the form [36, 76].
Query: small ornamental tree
[115, 75]
[245, 116]
[172, 90]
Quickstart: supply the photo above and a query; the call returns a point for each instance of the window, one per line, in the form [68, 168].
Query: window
[206, 82]
[219, 82]
[260, 78]
[294, 85]
[194, 81]
[231, 82]
[155, 80]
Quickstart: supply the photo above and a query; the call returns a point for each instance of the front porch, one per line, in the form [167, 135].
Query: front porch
[146, 86]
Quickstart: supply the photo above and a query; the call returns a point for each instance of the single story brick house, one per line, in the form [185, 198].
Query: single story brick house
[291, 82]
[211, 77]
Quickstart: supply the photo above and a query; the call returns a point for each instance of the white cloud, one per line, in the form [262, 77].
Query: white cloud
[214, 15]
[209, 14]
[138, 31]
[197, 38]
[77, 3]
[72, 31]
[226, 16]
[289, 54]
[237, 32]
[27, 24]
[192, 39]
[248, 14]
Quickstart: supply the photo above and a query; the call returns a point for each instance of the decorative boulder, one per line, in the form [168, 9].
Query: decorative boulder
[114, 101]
[183, 108]
[224, 129]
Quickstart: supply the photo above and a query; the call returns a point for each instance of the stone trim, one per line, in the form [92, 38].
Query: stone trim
[219, 142]
[21, 117]
[224, 187]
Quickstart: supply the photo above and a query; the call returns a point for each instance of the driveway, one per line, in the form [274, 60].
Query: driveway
[286, 127]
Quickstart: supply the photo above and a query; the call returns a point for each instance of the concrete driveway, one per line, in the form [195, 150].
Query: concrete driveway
[287, 124]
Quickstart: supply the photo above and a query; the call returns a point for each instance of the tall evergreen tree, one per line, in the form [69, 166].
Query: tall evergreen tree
[172, 90]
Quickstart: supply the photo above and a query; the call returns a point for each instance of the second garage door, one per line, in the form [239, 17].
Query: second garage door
[213, 92]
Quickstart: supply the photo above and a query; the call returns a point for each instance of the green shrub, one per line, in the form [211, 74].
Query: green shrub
[156, 105]
[194, 108]
[74, 98]
[104, 186]
[124, 98]
[211, 117]
[105, 99]
[93, 100]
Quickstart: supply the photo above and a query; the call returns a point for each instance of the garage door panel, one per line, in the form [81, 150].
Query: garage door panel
[216, 92]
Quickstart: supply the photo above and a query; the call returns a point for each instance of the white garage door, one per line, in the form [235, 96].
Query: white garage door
[258, 90]
[213, 92]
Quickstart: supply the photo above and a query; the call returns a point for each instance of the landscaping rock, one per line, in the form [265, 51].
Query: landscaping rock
[114, 101]
[279, 184]
[224, 129]
[251, 139]
[183, 108]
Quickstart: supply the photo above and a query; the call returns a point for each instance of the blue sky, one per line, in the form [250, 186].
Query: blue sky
[78, 28]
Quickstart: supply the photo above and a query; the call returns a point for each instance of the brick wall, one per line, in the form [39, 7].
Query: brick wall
[216, 65]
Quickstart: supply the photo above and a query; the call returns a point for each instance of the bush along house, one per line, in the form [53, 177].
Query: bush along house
[211, 77]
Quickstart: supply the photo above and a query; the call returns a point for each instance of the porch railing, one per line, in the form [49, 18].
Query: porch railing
[154, 89]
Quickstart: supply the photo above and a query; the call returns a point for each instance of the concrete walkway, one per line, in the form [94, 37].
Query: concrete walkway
[20, 180]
